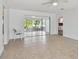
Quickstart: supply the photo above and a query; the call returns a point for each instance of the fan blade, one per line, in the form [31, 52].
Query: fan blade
[65, 1]
[47, 3]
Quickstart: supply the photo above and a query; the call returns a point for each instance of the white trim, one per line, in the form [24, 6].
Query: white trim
[5, 43]
[1, 51]
[72, 37]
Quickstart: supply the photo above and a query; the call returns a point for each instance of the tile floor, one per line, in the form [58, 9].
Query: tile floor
[49, 47]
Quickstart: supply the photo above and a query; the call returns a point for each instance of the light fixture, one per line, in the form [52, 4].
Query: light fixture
[54, 3]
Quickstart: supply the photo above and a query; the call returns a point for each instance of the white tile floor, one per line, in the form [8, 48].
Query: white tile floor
[44, 47]
[34, 40]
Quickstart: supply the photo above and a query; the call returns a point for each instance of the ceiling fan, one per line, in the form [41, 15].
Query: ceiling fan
[55, 2]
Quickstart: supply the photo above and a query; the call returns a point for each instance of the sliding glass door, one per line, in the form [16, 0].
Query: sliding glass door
[36, 26]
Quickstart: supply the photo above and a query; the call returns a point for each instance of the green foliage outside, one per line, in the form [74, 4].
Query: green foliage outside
[37, 22]
[27, 24]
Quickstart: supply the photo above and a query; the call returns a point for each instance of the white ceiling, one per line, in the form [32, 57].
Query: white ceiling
[37, 5]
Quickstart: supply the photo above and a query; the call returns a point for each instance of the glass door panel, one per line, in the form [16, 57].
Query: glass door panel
[36, 26]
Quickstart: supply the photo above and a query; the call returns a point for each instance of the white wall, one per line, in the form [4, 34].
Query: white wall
[17, 16]
[53, 24]
[71, 23]
[6, 25]
[1, 36]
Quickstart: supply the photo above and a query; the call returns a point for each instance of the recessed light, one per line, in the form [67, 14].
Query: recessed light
[54, 3]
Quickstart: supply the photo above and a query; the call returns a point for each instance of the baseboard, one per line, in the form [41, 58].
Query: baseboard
[74, 38]
[6, 42]
[1, 51]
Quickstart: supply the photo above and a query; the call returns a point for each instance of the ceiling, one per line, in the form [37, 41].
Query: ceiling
[37, 5]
